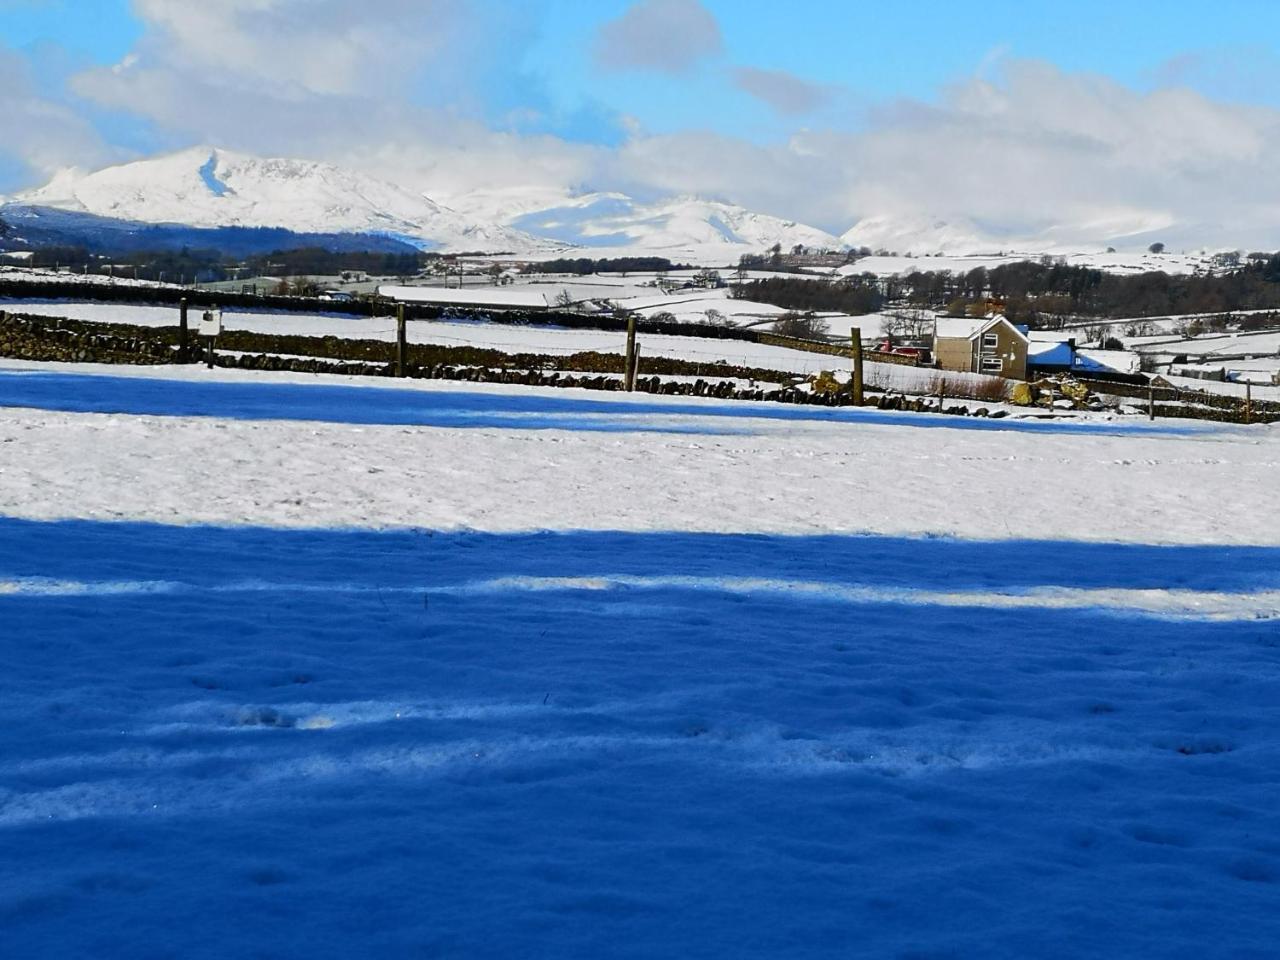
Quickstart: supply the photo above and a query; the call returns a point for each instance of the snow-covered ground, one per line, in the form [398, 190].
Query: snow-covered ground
[497, 336]
[1207, 347]
[294, 666]
[1166, 326]
[1249, 356]
[40, 275]
[1227, 388]
[1117, 263]
[863, 471]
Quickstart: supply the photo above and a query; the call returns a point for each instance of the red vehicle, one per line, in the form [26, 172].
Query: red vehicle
[922, 355]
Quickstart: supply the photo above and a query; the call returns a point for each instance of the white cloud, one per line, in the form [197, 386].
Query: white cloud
[669, 36]
[1072, 156]
[41, 134]
[1020, 150]
[784, 92]
[299, 47]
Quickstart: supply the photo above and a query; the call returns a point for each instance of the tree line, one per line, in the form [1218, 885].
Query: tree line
[855, 295]
[584, 266]
[208, 265]
[1041, 292]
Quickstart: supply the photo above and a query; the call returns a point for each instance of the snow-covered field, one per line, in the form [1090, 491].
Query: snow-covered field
[1250, 356]
[1124, 264]
[1227, 388]
[294, 666]
[505, 337]
[1233, 345]
[37, 275]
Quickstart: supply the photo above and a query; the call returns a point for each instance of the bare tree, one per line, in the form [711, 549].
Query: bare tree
[1094, 333]
[803, 326]
[914, 324]
[717, 319]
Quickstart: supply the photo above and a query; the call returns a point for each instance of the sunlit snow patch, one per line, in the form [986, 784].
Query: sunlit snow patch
[1182, 604]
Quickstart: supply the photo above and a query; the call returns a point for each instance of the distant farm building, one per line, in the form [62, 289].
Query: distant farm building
[1051, 352]
[990, 345]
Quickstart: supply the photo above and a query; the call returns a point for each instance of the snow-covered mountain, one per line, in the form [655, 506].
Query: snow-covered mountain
[921, 235]
[205, 187]
[616, 220]
[209, 187]
[1122, 228]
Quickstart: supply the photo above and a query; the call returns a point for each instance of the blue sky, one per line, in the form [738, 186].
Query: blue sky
[866, 54]
[103, 30]
[886, 51]
[817, 109]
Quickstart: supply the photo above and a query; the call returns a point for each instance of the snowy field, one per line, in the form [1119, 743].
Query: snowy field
[1258, 389]
[1236, 345]
[298, 666]
[40, 275]
[508, 338]
[1123, 264]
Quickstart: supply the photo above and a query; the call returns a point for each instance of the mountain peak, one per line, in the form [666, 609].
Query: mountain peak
[207, 186]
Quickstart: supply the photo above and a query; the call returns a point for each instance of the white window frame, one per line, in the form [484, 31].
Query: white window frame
[990, 340]
[992, 363]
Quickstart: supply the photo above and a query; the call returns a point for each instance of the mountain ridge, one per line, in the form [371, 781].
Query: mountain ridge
[208, 187]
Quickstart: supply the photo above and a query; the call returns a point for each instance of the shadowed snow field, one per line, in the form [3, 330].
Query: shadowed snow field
[327, 672]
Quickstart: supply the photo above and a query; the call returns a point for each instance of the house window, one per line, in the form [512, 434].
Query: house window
[990, 341]
[992, 364]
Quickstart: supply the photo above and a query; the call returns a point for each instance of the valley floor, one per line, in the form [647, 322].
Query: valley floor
[326, 669]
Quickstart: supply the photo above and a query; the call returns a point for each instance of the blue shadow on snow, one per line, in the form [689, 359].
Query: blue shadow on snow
[199, 555]
[75, 393]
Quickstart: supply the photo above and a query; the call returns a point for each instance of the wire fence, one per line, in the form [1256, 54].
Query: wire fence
[1177, 402]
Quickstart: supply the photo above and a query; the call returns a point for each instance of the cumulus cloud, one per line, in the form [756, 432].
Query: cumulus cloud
[786, 93]
[1022, 151]
[42, 134]
[299, 47]
[331, 80]
[1073, 158]
[669, 36]
[1248, 73]
[1035, 155]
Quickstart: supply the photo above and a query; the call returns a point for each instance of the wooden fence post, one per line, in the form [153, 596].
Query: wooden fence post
[183, 330]
[1248, 402]
[856, 335]
[401, 340]
[1151, 401]
[629, 368]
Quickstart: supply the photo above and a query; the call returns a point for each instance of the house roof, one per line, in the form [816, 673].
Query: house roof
[1111, 361]
[1046, 352]
[966, 328]
[957, 328]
